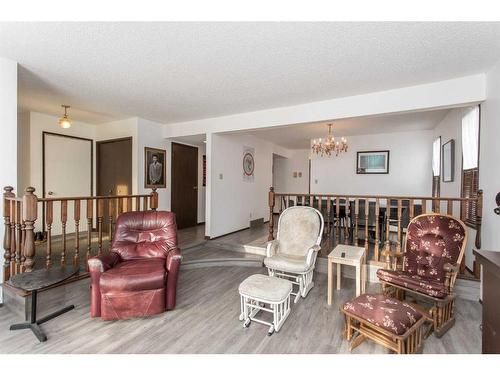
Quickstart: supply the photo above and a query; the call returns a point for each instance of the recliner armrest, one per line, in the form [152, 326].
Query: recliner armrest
[103, 263]
[174, 258]
[271, 248]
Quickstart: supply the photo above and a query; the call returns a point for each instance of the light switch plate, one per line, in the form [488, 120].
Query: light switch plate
[221, 176]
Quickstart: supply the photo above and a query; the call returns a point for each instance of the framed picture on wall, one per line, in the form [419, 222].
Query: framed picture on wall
[448, 162]
[155, 167]
[372, 162]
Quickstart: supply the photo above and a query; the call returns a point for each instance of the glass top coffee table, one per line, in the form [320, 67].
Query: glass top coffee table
[350, 256]
[35, 281]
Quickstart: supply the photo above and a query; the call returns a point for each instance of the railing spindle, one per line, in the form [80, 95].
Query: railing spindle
[424, 206]
[100, 215]
[356, 216]
[90, 217]
[145, 203]
[16, 256]
[347, 219]
[271, 202]
[19, 250]
[111, 209]
[337, 217]
[7, 194]
[329, 216]
[129, 205]
[387, 224]
[377, 234]
[64, 219]
[367, 214]
[400, 213]
[411, 205]
[137, 203]
[30, 202]
[449, 207]
[49, 217]
[76, 216]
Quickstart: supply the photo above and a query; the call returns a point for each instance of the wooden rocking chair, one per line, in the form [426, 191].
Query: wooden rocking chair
[428, 266]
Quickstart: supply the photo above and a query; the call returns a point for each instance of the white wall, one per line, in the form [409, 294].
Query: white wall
[489, 176]
[451, 128]
[234, 202]
[284, 168]
[8, 140]
[410, 168]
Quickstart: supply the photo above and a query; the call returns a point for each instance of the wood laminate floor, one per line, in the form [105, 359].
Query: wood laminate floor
[206, 321]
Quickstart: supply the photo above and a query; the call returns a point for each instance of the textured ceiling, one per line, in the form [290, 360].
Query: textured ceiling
[299, 136]
[171, 72]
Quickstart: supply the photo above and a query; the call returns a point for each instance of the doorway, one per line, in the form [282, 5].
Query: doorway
[184, 196]
[114, 170]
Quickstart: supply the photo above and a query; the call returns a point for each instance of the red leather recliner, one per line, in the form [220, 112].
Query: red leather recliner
[138, 277]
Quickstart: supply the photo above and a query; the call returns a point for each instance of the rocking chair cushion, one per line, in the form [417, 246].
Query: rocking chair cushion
[287, 263]
[384, 312]
[417, 283]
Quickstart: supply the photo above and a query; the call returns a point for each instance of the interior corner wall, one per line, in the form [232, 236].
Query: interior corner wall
[285, 168]
[410, 166]
[451, 128]
[23, 152]
[8, 140]
[489, 179]
[235, 202]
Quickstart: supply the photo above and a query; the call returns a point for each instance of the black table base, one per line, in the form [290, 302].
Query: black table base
[34, 324]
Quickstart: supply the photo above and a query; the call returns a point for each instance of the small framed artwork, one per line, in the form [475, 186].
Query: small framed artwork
[248, 164]
[372, 162]
[448, 162]
[155, 167]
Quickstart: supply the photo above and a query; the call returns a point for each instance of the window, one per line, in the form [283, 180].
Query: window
[470, 164]
[436, 166]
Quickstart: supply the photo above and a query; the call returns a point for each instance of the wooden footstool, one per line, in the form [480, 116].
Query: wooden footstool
[265, 293]
[394, 324]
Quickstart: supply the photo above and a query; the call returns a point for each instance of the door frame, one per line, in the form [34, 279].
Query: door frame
[44, 133]
[98, 156]
[172, 173]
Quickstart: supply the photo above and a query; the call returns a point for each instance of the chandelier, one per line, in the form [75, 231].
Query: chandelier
[65, 121]
[329, 146]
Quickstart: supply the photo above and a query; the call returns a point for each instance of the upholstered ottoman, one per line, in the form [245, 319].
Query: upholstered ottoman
[265, 293]
[387, 321]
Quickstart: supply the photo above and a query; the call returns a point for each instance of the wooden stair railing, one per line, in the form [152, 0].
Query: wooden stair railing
[21, 213]
[376, 222]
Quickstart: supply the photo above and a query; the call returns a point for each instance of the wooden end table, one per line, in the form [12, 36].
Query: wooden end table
[33, 282]
[353, 256]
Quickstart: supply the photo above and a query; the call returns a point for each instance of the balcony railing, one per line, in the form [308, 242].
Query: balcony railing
[20, 220]
[376, 222]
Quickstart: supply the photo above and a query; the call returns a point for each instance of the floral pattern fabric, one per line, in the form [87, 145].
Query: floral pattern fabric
[384, 312]
[432, 241]
[417, 283]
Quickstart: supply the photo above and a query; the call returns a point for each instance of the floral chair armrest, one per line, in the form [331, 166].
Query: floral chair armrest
[451, 270]
[312, 253]
[271, 248]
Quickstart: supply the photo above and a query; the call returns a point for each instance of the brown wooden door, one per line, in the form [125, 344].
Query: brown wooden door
[114, 170]
[185, 184]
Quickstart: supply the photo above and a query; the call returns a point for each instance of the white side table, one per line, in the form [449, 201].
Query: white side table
[353, 256]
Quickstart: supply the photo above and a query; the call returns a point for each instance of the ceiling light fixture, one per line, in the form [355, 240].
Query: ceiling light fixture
[65, 121]
[330, 146]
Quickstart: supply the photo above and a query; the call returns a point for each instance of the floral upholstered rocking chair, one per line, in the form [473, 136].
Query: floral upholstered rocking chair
[292, 255]
[428, 266]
